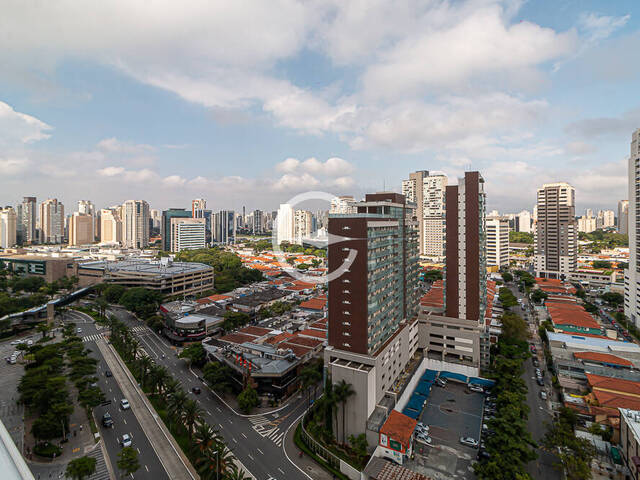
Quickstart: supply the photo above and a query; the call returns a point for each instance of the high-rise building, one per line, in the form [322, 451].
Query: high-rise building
[623, 217]
[302, 225]
[52, 221]
[632, 275]
[188, 234]
[197, 204]
[110, 225]
[432, 227]
[587, 224]
[135, 224]
[588, 213]
[27, 220]
[224, 227]
[373, 300]
[156, 219]
[556, 235]
[523, 222]
[8, 227]
[81, 229]
[284, 223]
[497, 241]
[342, 204]
[208, 222]
[166, 230]
[413, 191]
[85, 206]
[465, 270]
[257, 222]
[605, 219]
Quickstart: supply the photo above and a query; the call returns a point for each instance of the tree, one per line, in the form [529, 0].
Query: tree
[514, 328]
[236, 474]
[507, 298]
[507, 277]
[141, 301]
[343, 391]
[613, 298]
[248, 399]
[309, 377]
[80, 468]
[43, 328]
[128, 461]
[177, 402]
[520, 237]
[113, 293]
[196, 354]
[359, 446]
[191, 414]
[218, 376]
[538, 295]
[601, 264]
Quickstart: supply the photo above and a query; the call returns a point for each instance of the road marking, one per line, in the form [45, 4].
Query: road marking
[261, 452]
[138, 450]
[234, 440]
[147, 468]
[250, 456]
[280, 470]
[230, 422]
[220, 425]
[125, 422]
[218, 409]
[243, 435]
[208, 412]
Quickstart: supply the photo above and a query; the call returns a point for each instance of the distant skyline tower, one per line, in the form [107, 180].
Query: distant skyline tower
[197, 204]
[135, 224]
[631, 277]
[623, 217]
[52, 221]
[8, 227]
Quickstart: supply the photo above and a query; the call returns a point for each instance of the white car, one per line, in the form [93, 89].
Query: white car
[79, 330]
[15, 342]
[423, 437]
[422, 427]
[124, 404]
[475, 388]
[469, 442]
[29, 343]
[126, 440]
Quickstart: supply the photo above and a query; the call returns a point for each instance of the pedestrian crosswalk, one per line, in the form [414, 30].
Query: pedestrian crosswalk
[140, 329]
[102, 473]
[268, 429]
[92, 338]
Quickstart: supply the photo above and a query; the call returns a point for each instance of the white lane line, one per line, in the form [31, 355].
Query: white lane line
[208, 412]
[220, 425]
[234, 440]
[147, 468]
[138, 450]
[250, 456]
[125, 422]
[245, 435]
[218, 410]
[280, 470]
[261, 452]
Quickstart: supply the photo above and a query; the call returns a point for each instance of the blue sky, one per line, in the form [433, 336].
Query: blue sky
[250, 103]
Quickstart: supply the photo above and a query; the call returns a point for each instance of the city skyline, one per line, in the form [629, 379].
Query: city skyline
[300, 104]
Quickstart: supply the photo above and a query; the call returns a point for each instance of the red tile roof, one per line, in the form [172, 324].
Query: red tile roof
[237, 338]
[563, 313]
[257, 331]
[314, 304]
[603, 358]
[306, 341]
[434, 297]
[313, 333]
[320, 325]
[616, 400]
[399, 427]
[616, 385]
[281, 337]
[298, 350]
[218, 297]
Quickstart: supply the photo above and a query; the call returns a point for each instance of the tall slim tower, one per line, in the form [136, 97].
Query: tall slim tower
[27, 220]
[52, 221]
[284, 223]
[556, 232]
[197, 204]
[8, 227]
[224, 227]
[135, 224]
[413, 191]
[465, 272]
[623, 217]
[631, 276]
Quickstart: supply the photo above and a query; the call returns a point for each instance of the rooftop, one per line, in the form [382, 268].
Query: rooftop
[147, 267]
[603, 358]
[399, 427]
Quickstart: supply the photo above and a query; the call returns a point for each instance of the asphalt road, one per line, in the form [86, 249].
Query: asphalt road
[124, 420]
[540, 411]
[256, 440]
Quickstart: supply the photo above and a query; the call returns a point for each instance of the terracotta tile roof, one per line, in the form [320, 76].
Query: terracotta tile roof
[204, 301]
[564, 313]
[616, 400]
[306, 341]
[257, 331]
[281, 337]
[218, 297]
[616, 385]
[298, 350]
[237, 338]
[314, 303]
[603, 358]
[313, 333]
[434, 297]
[399, 427]
[320, 325]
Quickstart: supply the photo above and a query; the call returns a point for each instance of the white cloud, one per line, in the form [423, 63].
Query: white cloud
[288, 165]
[599, 27]
[293, 182]
[174, 181]
[332, 167]
[111, 171]
[20, 128]
[13, 166]
[113, 145]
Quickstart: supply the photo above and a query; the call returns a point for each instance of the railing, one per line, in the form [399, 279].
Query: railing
[318, 449]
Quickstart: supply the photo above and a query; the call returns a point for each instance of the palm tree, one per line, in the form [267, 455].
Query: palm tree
[176, 403]
[157, 376]
[102, 304]
[236, 474]
[135, 349]
[215, 462]
[344, 390]
[191, 414]
[205, 437]
[170, 386]
[144, 364]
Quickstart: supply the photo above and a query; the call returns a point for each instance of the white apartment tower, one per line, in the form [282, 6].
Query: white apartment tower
[8, 227]
[556, 233]
[27, 216]
[343, 204]
[523, 222]
[632, 274]
[110, 226]
[302, 225]
[52, 221]
[284, 224]
[135, 224]
[188, 234]
[497, 241]
[623, 217]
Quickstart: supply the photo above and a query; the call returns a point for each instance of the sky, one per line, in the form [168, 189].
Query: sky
[251, 103]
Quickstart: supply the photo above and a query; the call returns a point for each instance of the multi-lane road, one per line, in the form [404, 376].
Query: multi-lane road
[256, 440]
[124, 421]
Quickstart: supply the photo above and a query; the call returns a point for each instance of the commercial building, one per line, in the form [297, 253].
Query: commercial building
[27, 217]
[51, 221]
[166, 229]
[224, 227]
[497, 252]
[342, 204]
[630, 440]
[522, 222]
[302, 225]
[197, 204]
[188, 234]
[81, 229]
[587, 224]
[556, 236]
[284, 223]
[135, 224]
[623, 217]
[373, 300]
[49, 268]
[427, 191]
[605, 219]
[257, 222]
[465, 270]
[632, 275]
[8, 227]
[110, 225]
[164, 276]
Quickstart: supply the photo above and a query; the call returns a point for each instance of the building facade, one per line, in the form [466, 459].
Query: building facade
[373, 299]
[188, 234]
[497, 252]
[135, 224]
[284, 223]
[81, 229]
[302, 225]
[224, 227]
[623, 217]
[342, 204]
[52, 221]
[466, 267]
[197, 204]
[632, 274]
[110, 225]
[522, 222]
[8, 227]
[27, 220]
[165, 229]
[556, 235]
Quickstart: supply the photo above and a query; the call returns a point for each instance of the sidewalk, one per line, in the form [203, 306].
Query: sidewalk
[175, 463]
[304, 463]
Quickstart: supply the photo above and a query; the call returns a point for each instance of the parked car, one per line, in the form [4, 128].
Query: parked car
[196, 390]
[107, 421]
[543, 395]
[125, 441]
[29, 343]
[15, 342]
[423, 437]
[469, 442]
[532, 348]
[107, 373]
[475, 388]
[78, 330]
[124, 404]
[422, 427]
[540, 381]
[483, 455]
[441, 382]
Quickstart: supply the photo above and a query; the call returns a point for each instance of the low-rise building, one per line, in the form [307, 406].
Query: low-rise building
[47, 267]
[630, 440]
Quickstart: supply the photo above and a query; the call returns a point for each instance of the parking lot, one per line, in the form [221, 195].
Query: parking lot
[452, 412]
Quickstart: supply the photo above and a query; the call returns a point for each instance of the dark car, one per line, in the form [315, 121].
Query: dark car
[540, 381]
[196, 390]
[107, 373]
[107, 421]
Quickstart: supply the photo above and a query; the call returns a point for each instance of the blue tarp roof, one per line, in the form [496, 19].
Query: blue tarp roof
[429, 375]
[416, 402]
[411, 413]
[454, 376]
[423, 388]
